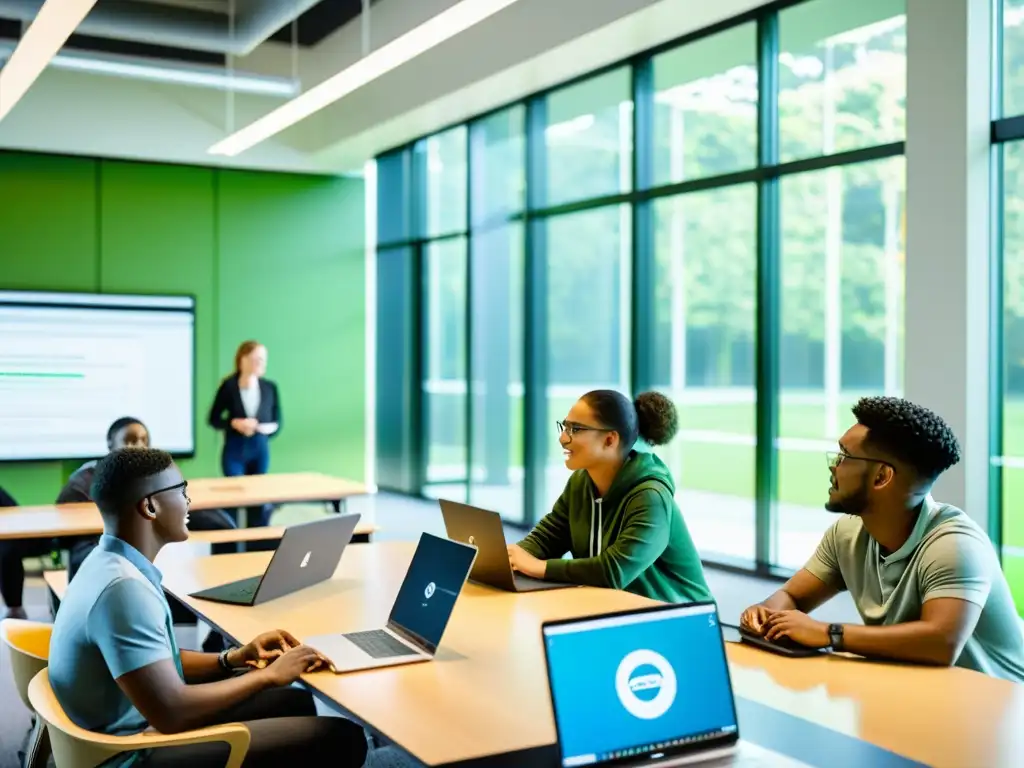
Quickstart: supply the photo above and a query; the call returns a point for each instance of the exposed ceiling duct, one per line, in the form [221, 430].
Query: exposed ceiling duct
[175, 26]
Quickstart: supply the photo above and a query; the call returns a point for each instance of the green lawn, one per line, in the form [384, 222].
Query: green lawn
[728, 468]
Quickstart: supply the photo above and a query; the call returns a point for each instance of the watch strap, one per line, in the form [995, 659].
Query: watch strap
[222, 659]
[835, 636]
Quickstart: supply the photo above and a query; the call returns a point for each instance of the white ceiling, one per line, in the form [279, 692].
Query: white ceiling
[530, 46]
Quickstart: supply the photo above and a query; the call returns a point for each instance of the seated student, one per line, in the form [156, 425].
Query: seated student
[128, 432]
[115, 666]
[924, 576]
[617, 515]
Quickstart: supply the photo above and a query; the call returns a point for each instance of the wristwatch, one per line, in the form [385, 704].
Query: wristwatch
[835, 636]
[222, 659]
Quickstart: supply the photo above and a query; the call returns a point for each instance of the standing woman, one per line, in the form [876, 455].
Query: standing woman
[617, 515]
[248, 409]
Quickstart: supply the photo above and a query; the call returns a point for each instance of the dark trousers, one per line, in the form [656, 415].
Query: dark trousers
[247, 456]
[284, 730]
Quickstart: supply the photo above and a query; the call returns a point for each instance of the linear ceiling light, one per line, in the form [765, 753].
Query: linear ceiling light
[136, 68]
[399, 51]
[50, 29]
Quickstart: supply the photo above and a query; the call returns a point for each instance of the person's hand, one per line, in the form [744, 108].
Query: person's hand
[525, 563]
[267, 646]
[798, 626]
[242, 426]
[287, 668]
[754, 618]
[253, 425]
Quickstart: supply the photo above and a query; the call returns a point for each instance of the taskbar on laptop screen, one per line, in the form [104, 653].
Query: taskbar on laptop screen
[658, 751]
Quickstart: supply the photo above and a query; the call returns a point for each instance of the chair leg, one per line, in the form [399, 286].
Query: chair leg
[37, 751]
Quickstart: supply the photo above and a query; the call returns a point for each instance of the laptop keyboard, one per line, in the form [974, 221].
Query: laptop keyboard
[243, 590]
[379, 644]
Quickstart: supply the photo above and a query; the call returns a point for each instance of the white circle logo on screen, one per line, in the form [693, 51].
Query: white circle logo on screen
[646, 684]
[429, 591]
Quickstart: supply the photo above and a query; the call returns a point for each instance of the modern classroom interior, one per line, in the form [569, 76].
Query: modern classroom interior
[418, 234]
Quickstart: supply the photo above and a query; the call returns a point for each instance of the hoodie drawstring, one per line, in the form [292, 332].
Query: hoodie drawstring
[595, 533]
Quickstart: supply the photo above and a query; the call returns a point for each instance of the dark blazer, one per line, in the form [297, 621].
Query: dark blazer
[227, 405]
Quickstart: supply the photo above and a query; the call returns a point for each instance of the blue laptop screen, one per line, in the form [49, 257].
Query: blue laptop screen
[638, 684]
[432, 584]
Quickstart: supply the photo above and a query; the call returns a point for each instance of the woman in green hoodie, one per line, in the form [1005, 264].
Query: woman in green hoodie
[617, 515]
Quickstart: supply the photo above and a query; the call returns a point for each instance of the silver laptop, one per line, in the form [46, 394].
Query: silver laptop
[419, 616]
[649, 687]
[484, 530]
[308, 554]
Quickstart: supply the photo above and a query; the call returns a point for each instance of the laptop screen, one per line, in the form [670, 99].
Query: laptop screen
[432, 585]
[639, 685]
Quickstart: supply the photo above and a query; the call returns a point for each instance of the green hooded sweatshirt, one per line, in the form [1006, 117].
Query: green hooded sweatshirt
[634, 538]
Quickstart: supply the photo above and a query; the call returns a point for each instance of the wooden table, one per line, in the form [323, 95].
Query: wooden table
[485, 699]
[56, 520]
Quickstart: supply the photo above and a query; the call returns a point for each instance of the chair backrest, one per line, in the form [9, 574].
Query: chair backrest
[29, 646]
[73, 747]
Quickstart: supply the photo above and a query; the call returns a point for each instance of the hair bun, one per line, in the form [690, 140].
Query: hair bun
[657, 418]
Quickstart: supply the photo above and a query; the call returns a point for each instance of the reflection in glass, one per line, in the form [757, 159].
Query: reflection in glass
[496, 476]
[444, 380]
[842, 307]
[588, 317]
[589, 139]
[842, 76]
[705, 101]
[1013, 57]
[1013, 368]
[441, 162]
[498, 149]
[704, 347]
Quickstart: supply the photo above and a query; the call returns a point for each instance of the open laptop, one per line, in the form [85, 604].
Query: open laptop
[419, 616]
[484, 530]
[308, 554]
[649, 687]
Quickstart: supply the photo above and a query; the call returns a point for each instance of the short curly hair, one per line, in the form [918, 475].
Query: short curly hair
[120, 469]
[910, 433]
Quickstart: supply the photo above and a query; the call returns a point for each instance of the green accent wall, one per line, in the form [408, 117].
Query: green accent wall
[271, 256]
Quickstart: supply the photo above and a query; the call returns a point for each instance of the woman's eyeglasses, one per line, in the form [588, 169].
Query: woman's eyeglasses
[571, 428]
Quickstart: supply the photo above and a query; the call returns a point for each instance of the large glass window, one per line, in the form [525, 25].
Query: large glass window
[842, 76]
[704, 344]
[589, 139]
[1013, 56]
[588, 316]
[545, 273]
[705, 102]
[841, 327]
[1013, 365]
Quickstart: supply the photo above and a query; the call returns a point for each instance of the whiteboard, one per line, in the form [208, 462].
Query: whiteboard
[72, 363]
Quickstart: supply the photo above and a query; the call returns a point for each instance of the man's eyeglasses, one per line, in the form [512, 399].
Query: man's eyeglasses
[835, 458]
[571, 428]
[182, 486]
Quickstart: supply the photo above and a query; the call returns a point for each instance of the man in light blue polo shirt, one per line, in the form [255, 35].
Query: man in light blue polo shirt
[924, 576]
[115, 666]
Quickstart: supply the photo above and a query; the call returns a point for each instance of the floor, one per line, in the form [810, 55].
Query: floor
[398, 518]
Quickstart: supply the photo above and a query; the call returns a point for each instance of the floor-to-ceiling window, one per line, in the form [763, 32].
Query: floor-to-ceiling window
[720, 219]
[1008, 167]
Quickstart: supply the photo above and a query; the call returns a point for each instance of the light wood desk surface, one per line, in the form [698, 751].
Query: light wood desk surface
[486, 693]
[206, 493]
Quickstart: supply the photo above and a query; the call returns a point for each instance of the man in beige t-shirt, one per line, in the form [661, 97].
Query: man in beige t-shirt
[923, 575]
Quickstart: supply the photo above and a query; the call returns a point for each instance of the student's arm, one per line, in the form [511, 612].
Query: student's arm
[810, 587]
[956, 578]
[201, 667]
[641, 542]
[550, 538]
[217, 419]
